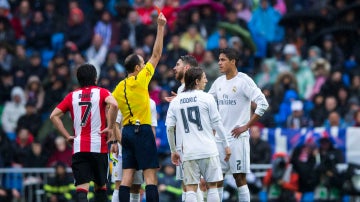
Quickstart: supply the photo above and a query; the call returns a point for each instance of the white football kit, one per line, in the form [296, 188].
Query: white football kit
[234, 99]
[117, 166]
[195, 114]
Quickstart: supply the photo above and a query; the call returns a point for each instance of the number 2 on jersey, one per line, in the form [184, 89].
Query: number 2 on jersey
[86, 114]
[193, 115]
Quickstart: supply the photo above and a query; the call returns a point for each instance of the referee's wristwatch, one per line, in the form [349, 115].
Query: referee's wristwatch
[113, 141]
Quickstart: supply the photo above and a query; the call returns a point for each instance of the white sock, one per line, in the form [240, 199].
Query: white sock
[134, 197]
[204, 193]
[199, 194]
[115, 196]
[244, 193]
[190, 196]
[183, 196]
[221, 191]
[213, 195]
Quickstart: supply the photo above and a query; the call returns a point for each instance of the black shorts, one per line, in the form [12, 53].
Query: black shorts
[139, 149]
[89, 166]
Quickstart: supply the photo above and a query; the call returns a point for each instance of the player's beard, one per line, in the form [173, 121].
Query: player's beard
[180, 76]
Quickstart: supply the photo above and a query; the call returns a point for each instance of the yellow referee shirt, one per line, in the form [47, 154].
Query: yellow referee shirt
[133, 98]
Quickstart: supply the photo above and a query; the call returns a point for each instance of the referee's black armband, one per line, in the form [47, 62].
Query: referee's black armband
[113, 141]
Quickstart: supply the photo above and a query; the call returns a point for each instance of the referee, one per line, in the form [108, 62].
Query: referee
[138, 142]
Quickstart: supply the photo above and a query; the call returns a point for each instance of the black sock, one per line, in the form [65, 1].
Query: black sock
[152, 193]
[124, 193]
[81, 196]
[100, 196]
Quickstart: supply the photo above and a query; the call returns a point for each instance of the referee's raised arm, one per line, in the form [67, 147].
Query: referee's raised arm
[158, 45]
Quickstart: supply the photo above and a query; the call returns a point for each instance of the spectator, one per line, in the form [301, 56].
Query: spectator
[52, 17]
[334, 120]
[7, 34]
[264, 27]
[5, 150]
[5, 58]
[174, 51]
[9, 194]
[318, 113]
[6, 86]
[22, 18]
[268, 73]
[190, 37]
[285, 108]
[36, 158]
[343, 96]
[211, 69]
[13, 110]
[61, 154]
[320, 68]
[96, 53]
[38, 33]
[297, 119]
[60, 187]
[243, 11]
[78, 32]
[357, 119]
[305, 158]
[19, 64]
[328, 177]
[304, 78]
[261, 151]
[350, 117]
[332, 53]
[132, 29]
[31, 120]
[35, 67]
[169, 187]
[34, 92]
[98, 10]
[281, 181]
[21, 148]
[285, 81]
[332, 84]
[103, 27]
[199, 52]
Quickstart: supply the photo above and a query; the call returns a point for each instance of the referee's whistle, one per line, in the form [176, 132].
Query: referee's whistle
[137, 126]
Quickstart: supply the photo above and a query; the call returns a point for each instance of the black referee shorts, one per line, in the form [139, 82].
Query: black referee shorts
[89, 166]
[139, 149]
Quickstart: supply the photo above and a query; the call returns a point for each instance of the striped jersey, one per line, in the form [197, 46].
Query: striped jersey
[87, 109]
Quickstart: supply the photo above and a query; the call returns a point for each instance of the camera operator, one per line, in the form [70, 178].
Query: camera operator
[328, 177]
[281, 181]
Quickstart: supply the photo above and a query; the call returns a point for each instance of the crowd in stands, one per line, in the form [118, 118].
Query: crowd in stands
[308, 68]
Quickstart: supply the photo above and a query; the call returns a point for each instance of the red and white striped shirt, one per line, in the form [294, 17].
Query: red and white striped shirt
[87, 108]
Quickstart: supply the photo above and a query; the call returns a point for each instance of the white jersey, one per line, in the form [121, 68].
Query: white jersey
[234, 98]
[181, 88]
[178, 136]
[193, 113]
[153, 114]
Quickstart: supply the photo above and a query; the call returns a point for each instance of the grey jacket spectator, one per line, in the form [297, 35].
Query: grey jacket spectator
[13, 110]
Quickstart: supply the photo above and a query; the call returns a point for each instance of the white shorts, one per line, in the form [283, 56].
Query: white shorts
[179, 168]
[208, 168]
[116, 174]
[239, 161]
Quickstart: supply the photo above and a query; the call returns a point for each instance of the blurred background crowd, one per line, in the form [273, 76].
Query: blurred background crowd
[303, 54]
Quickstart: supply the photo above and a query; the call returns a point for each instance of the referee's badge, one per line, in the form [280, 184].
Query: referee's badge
[234, 89]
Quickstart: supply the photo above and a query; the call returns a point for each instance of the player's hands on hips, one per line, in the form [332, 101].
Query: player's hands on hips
[175, 158]
[114, 149]
[236, 132]
[227, 153]
[70, 139]
[109, 132]
[170, 98]
[161, 20]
